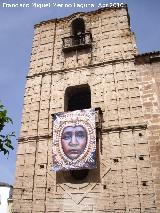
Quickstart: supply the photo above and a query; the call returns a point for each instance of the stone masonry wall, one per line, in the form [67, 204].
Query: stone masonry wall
[125, 171]
[111, 34]
[124, 179]
[148, 67]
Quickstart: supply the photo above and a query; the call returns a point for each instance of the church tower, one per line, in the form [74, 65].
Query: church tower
[89, 60]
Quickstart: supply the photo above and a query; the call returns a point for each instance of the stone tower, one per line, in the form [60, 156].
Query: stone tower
[100, 69]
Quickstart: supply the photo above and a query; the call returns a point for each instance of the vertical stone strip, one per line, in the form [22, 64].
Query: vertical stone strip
[150, 93]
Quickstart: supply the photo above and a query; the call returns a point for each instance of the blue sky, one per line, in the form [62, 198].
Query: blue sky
[16, 34]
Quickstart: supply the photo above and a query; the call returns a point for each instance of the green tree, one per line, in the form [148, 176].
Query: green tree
[5, 139]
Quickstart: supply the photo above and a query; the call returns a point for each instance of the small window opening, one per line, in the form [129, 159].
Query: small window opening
[141, 158]
[77, 98]
[115, 160]
[41, 166]
[78, 30]
[104, 186]
[140, 134]
[144, 183]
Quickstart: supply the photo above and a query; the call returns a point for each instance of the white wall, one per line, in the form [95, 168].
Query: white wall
[4, 195]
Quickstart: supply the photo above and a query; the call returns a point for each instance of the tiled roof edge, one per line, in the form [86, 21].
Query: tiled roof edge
[153, 53]
[5, 184]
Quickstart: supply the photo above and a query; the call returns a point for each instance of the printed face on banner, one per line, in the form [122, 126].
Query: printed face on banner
[74, 140]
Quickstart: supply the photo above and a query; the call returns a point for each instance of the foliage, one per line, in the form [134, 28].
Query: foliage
[5, 139]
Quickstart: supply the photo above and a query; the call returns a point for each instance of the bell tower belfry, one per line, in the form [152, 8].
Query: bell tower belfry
[85, 60]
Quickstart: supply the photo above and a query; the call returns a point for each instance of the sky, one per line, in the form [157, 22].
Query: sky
[16, 34]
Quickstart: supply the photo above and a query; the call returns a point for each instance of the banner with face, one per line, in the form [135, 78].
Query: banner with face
[74, 140]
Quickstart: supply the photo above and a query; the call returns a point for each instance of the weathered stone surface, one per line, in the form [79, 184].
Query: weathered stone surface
[127, 178]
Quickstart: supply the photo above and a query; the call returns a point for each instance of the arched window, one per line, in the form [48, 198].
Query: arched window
[78, 27]
[78, 31]
[80, 38]
[77, 97]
